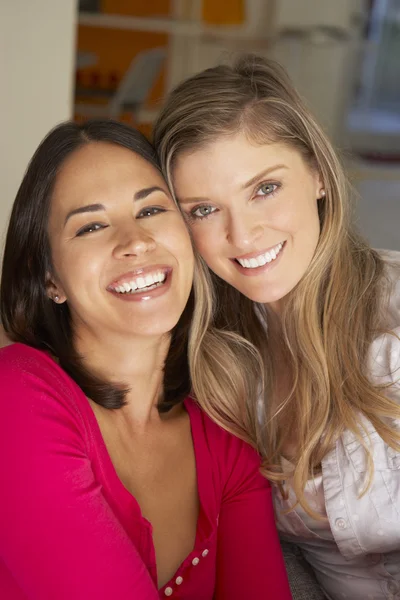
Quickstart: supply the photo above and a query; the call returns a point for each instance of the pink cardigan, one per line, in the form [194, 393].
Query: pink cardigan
[69, 530]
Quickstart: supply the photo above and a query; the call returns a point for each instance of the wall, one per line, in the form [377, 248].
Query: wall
[37, 56]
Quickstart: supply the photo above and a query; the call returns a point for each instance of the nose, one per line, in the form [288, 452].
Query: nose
[243, 230]
[133, 241]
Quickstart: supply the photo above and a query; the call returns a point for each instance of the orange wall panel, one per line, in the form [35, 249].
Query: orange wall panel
[224, 12]
[138, 8]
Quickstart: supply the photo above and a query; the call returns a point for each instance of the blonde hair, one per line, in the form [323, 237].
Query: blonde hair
[333, 314]
[225, 368]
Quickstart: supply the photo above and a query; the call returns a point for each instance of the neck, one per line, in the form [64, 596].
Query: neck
[133, 361]
[274, 320]
[275, 308]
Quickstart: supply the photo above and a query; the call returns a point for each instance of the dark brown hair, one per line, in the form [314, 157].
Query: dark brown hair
[27, 314]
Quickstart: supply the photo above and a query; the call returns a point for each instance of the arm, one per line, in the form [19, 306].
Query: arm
[58, 536]
[249, 556]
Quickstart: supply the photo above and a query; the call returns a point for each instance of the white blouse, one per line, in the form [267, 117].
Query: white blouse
[355, 548]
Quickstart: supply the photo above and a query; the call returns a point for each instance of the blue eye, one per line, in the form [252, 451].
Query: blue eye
[150, 211]
[91, 228]
[201, 212]
[266, 189]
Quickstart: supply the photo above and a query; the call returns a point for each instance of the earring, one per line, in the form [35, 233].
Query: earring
[56, 298]
[322, 193]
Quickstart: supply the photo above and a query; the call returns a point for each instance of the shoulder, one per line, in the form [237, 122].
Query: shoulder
[390, 257]
[233, 459]
[20, 358]
[36, 390]
[217, 437]
[384, 355]
[391, 287]
[22, 366]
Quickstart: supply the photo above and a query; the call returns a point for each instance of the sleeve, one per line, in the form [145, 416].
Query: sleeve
[384, 363]
[249, 556]
[59, 537]
[394, 361]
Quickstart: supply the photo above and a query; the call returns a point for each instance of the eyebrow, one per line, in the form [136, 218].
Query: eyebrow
[84, 209]
[245, 186]
[141, 194]
[261, 175]
[89, 208]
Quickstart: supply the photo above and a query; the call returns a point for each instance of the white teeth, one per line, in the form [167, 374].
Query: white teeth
[261, 259]
[141, 282]
[149, 280]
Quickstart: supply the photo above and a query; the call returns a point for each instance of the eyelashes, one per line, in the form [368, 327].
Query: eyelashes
[145, 213]
[90, 228]
[202, 212]
[150, 211]
[268, 184]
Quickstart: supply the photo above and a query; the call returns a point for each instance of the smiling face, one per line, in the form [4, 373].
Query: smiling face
[122, 256]
[253, 213]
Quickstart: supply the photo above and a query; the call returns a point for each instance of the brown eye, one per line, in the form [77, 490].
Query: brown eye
[91, 228]
[150, 211]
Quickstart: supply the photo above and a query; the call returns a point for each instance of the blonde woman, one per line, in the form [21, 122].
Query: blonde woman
[114, 484]
[267, 204]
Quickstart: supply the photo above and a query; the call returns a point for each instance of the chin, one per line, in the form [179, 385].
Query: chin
[150, 327]
[263, 296]
[158, 331]
[166, 325]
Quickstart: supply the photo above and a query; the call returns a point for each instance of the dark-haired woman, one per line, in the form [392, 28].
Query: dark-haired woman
[114, 483]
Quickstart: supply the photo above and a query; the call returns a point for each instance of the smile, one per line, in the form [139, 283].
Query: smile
[261, 259]
[141, 283]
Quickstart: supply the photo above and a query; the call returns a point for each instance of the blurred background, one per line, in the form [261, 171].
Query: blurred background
[63, 59]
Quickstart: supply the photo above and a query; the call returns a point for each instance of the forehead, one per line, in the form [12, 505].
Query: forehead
[100, 168]
[232, 160]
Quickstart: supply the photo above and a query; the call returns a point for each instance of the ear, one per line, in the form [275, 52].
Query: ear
[54, 291]
[319, 187]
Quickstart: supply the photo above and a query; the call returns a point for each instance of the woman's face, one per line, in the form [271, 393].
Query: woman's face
[121, 252]
[253, 213]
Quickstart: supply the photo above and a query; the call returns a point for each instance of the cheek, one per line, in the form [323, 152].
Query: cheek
[179, 245]
[295, 216]
[77, 271]
[207, 250]
[207, 240]
[180, 237]
[308, 221]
